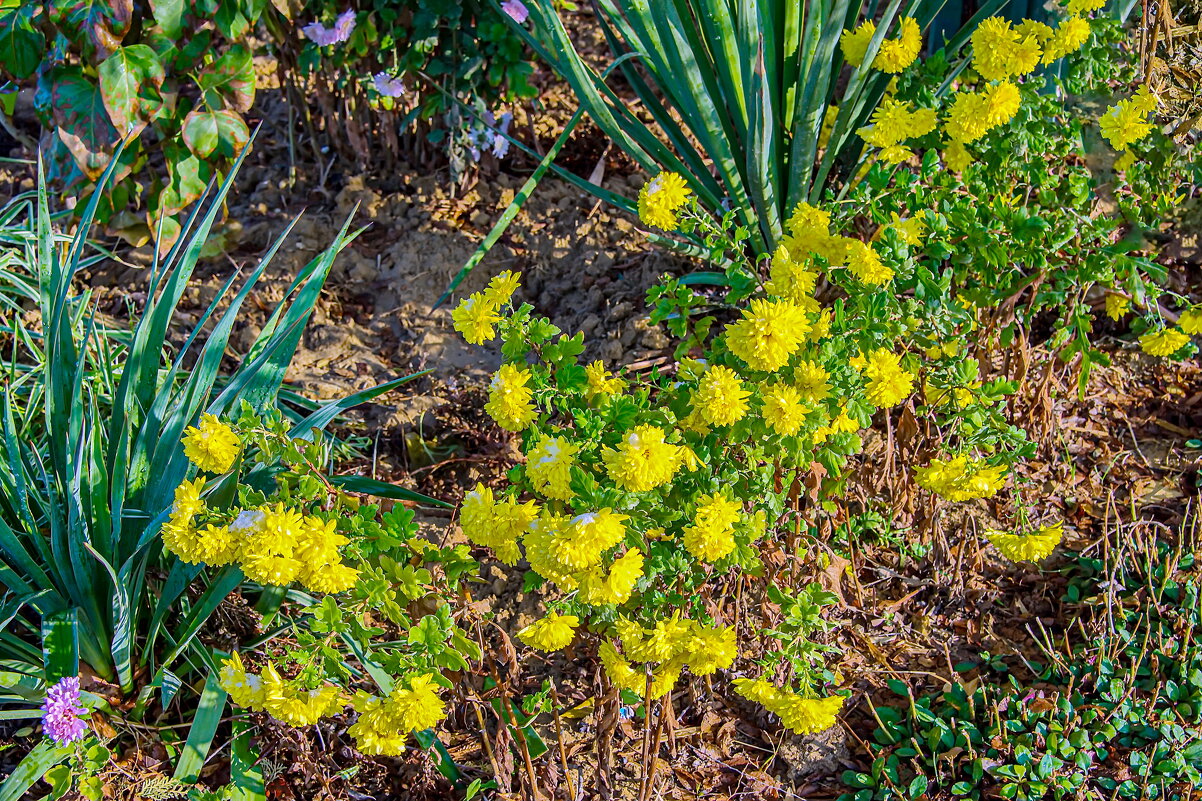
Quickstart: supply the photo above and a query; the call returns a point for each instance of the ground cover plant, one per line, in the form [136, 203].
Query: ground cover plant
[888, 492]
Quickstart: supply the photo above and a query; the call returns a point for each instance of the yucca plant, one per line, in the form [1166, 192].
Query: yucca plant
[733, 94]
[91, 425]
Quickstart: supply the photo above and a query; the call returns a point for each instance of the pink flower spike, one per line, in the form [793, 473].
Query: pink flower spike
[516, 9]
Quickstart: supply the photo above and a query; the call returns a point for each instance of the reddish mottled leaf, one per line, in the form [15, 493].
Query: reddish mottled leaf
[130, 80]
[232, 77]
[222, 131]
[21, 44]
[81, 118]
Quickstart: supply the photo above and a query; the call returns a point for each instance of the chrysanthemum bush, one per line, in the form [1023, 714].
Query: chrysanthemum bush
[645, 500]
[1012, 221]
[352, 571]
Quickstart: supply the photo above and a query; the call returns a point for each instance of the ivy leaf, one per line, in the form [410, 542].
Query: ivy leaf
[233, 77]
[81, 118]
[130, 80]
[222, 131]
[21, 44]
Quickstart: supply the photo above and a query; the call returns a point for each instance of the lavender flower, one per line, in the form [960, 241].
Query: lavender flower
[516, 9]
[387, 85]
[63, 713]
[324, 37]
[500, 144]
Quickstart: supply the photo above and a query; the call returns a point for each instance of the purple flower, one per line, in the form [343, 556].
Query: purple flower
[516, 9]
[387, 85]
[500, 144]
[63, 714]
[324, 37]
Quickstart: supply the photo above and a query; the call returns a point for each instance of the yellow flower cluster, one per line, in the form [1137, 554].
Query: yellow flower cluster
[477, 315]
[673, 645]
[893, 123]
[496, 525]
[712, 535]
[510, 401]
[960, 479]
[601, 384]
[1191, 321]
[549, 465]
[1117, 305]
[273, 545]
[661, 199]
[720, 398]
[212, 445]
[888, 383]
[1030, 547]
[893, 56]
[798, 714]
[769, 333]
[1126, 122]
[384, 723]
[1001, 53]
[644, 459]
[809, 235]
[271, 693]
[1164, 342]
[550, 633]
[783, 408]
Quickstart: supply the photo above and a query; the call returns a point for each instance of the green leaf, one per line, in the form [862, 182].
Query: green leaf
[169, 14]
[60, 645]
[381, 489]
[44, 756]
[222, 131]
[204, 726]
[232, 77]
[21, 44]
[130, 83]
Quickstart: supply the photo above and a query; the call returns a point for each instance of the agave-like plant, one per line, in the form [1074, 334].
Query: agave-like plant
[91, 421]
[733, 94]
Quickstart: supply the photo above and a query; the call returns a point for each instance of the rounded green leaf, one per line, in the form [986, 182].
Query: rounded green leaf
[21, 44]
[223, 132]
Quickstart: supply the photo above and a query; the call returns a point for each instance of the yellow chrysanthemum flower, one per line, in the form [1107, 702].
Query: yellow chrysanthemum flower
[212, 445]
[865, 264]
[959, 479]
[711, 536]
[968, 117]
[643, 460]
[1077, 8]
[601, 383]
[897, 54]
[615, 587]
[1030, 547]
[501, 288]
[1117, 305]
[712, 650]
[854, 43]
[999, 52]
[661, 198]
[580, 544]
[768, 334]
[812, 381]
[1004, 102]
[1191, 321]
[888, 384]
[720, 398]
[1164, 342]
[510, 401]
[476, 319]
[549, 465]
[551, 633]
[1125, 123]
[956, 156]
[783, 409]
[496, 525]
[1068, 37]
